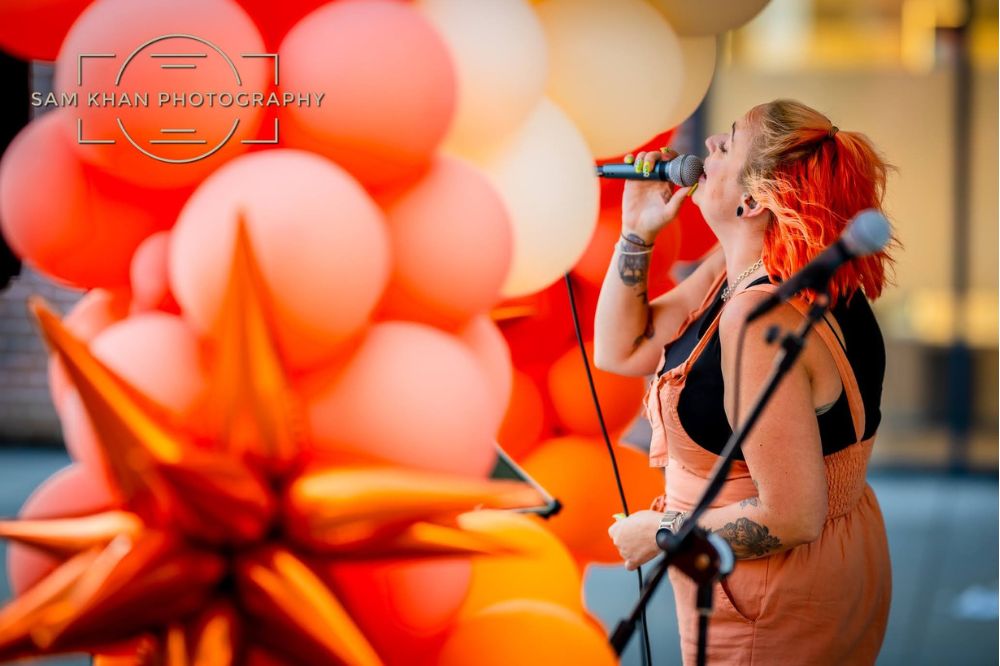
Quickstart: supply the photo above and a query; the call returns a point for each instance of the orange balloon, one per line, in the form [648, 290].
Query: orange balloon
[149, 278]
[526, 632]
[541, 568]
[148, 97]
[698, 237]
[577, 471]
[524, 421]
[72, 491]
[274, 19]
[387, 111]
[544, 330]
[411, 395]
[446, 267]
[488, 344]
[319, 239]
[87, 234]
[34, 30]
[98, 309]
[620, 397]
[402, 606]
[593, 265]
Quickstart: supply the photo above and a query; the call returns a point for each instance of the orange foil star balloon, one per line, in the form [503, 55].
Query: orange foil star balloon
[212, 555]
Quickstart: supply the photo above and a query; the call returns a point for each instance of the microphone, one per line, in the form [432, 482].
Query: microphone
[683, 170]
[867, 233]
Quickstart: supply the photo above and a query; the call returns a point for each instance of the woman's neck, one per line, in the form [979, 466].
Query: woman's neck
[741, 253]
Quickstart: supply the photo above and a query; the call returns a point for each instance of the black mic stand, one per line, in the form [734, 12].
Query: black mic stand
[701, 555]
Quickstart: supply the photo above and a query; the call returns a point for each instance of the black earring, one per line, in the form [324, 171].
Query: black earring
[739, 211]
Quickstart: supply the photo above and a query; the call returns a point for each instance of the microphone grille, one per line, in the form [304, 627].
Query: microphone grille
[685, 170]
[868, 233]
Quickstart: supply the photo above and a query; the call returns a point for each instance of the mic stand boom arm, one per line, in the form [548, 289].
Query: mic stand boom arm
[701, 555]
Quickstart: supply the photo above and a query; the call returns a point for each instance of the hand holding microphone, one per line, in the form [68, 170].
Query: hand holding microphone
[650, 201]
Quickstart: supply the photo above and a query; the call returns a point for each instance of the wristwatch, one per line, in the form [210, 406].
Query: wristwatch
[670, 524]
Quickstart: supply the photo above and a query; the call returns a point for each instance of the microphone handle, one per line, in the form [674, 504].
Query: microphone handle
[628, 172]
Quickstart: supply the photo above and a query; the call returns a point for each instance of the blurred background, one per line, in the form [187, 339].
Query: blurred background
[920, 78]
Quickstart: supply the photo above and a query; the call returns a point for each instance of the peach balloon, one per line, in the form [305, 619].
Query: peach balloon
[488, 344]
[87, 234]
[540, 568]
[524, 420]
[149, 278]
[98, 309]
[526, 632]
[451, 246]
[578, 471]
[319, 239]
[33, 29]
[390, 85]
[553, 215]
[411, 395]
[697, 65]
[708, 18]
[620, 397]
[72, 491]
[498, 86]
[606, 56]
[149, 97]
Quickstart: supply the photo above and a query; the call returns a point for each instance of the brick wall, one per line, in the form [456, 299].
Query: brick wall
[26, 412]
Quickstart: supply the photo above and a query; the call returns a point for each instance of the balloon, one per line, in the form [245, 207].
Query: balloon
[553, 213]
[488, 344]
[87, 234]
[612, 188]
[34, 29]
[451, 246]
[274, 19]
[412, 395]
[541, 568]
[525, 632]
[402, 606]
[593, 265]
[569, 389]
[98, 309]
[707, 18]
[175, 98]
[320, 241]
[386, 111]
[149, 278]
[616, 69]
[524, 421]
[498, 85]
[577, 471]
[544, 328]
[159, 355]
[72, 491]
[697, 238]
[697, 65]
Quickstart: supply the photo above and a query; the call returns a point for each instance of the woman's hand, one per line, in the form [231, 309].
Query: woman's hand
[635, 537]
[649, 205]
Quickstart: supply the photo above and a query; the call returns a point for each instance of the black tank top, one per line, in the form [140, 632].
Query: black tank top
[700, 405]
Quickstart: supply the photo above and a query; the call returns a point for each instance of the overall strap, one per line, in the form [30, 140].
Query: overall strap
[837, 351]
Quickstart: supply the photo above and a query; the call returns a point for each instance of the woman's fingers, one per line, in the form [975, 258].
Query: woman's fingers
[676, 201]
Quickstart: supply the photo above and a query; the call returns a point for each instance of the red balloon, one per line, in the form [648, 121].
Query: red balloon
[72, 491]
[87, 234]
[388, 110]
[542, 330]
[697, 238]
[144, 102]
[524, 421]
[34, 29]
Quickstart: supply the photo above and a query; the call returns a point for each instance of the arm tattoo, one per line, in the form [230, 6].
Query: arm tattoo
[633, 268]
[750, 501]
[749, 539]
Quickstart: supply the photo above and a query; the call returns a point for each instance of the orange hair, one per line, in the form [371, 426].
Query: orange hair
[814, 179]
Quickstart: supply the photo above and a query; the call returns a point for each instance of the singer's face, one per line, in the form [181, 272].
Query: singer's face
[719, 191]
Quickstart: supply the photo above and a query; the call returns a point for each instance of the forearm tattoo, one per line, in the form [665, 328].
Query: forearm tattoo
[633, 268]
[749, 539]
[750, 501]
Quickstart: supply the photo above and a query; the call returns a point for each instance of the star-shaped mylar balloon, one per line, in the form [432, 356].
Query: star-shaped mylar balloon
[209, 554]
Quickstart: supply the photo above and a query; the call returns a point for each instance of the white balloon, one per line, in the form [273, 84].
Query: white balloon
[545, 174]
[698, 66]
[708, 17]
[501, 59]
[615, 69]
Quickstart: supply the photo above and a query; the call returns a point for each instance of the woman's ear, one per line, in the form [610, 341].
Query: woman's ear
[751, 208]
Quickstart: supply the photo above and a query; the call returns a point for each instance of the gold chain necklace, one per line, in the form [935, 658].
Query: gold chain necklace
[729, 291]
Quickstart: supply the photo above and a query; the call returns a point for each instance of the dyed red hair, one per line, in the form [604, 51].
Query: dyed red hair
[814, 179]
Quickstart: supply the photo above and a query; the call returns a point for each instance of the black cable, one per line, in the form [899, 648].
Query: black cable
[647, 657]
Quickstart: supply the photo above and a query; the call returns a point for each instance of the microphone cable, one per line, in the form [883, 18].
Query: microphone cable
[647, 658]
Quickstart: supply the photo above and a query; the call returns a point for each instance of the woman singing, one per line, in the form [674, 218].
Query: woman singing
[812, 582]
